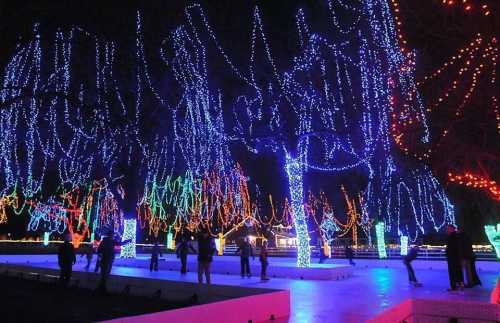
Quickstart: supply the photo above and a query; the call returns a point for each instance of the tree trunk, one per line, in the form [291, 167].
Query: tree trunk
[295, 184]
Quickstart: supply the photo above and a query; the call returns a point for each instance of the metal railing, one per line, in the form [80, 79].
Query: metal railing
[393, 252]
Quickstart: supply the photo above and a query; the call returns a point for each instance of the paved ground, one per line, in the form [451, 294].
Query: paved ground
[372, 289]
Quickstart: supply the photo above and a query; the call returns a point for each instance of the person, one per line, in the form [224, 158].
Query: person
[66, 259]
[88, 251]
[106, 252]
[153, 265]
[182, 251]
[322, 253]
[468, 261]
[206, 250]
[349, 254]
[453, 258]
[410, 256]
[263, 261]
[245, 250]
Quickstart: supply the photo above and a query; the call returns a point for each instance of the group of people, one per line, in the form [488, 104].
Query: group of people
[106, 255]
[246, 251]
[207, 249]
[460, 258]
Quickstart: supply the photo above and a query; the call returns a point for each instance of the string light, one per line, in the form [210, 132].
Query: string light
[380, 231]
[294, 172]
[46, 236]
[129, 233]
[363, 69]
[404, 245]
[475, 181]
[493, 235]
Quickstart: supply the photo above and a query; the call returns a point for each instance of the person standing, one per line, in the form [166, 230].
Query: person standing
[153, 265]
[66, 258]
[349, 254]
[245, 250]
[182, 252]
[454, 258]
[468, 260]
[412, 255]
[263, 261]
[206, 250]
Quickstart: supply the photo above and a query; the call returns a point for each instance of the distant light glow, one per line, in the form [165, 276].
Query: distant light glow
[379, 229]
[128, 250]
[404, 245]
[46, 236]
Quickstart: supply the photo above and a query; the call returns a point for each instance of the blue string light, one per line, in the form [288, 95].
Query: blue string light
[339, 88]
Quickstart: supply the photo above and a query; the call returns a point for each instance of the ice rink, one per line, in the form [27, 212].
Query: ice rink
[374, 286]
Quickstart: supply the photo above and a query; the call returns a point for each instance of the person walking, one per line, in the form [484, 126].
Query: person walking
[349, 254]
[454, 258]
[245, 250]
[106, 252]
[412, 255]
[263, 261]
[206, 250]
[153, 265]
[182, 252]
[66, 258]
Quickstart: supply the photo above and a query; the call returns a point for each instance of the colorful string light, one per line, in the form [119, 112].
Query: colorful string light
[299, 113]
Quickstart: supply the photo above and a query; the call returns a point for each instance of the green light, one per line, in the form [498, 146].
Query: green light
[494, 237]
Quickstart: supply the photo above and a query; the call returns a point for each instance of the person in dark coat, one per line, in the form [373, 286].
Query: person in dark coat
[468, 260]
[206, 250]
[349, 254]
[454, 259]
[245, 250]
[412, 255]
[263, 261]
[66, 258]
[106, 252]
[182, 252]
[153, 265]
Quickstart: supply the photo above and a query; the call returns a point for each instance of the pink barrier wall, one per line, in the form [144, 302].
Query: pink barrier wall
[256, 308]
[434, 311]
